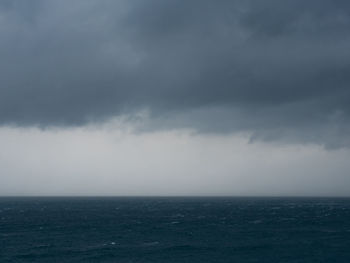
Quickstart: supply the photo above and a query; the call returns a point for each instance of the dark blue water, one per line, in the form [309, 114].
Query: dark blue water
[174, 230]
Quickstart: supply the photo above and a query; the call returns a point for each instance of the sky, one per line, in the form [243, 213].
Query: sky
[181, 97]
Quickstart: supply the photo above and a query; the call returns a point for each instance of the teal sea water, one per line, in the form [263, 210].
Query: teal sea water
[174, 230]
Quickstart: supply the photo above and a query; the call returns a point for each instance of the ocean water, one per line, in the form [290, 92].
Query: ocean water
[174, 230]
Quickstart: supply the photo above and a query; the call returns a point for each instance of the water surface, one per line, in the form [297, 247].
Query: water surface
[174, 229]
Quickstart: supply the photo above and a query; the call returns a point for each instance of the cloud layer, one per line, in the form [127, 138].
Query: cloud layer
[279, 70]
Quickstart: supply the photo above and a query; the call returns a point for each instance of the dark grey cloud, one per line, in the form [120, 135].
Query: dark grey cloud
[277, 69]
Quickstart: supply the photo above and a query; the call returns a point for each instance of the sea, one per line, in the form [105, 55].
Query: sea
[174, 229]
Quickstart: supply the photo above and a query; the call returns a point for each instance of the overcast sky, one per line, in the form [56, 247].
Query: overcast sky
[174, 97]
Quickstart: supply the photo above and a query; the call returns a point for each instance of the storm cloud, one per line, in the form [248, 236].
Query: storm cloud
[278, 70]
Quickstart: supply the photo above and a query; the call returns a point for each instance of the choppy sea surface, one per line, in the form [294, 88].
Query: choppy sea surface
[174, 229]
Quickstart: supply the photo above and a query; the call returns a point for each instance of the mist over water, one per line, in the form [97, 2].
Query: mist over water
[116, 161]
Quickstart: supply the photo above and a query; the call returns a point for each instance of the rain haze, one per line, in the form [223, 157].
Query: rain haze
[195, 97]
